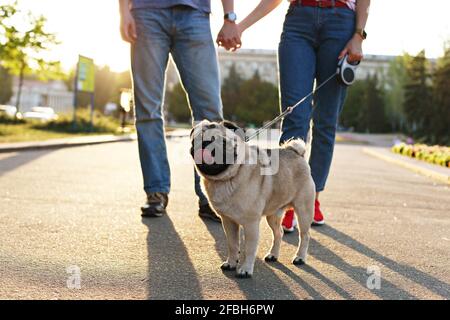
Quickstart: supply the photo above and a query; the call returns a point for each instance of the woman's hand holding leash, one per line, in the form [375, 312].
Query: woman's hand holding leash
[353, 49]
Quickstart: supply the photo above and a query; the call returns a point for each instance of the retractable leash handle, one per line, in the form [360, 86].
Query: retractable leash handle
[346, 71]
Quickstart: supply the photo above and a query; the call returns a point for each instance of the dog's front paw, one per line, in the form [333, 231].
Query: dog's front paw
[244, 273]
[226, 266]
[298, 261]
[270, 258]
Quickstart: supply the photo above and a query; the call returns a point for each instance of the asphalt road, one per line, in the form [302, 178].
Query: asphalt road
[80, 207]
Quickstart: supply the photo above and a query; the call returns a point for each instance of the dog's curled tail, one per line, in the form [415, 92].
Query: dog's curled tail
[297, 145]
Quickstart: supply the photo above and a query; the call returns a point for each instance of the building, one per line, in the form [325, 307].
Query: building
[35, 93]
[248, 61]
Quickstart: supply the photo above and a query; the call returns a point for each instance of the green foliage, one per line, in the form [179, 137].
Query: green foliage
[64, 123]
[351, 116]
[440, 130]
[104, 86]
[251, 101]
[107, 87]
[5, 119]
[5, 85]
[178, 106]
[417, 103]
[21, 50]
[395, 81]
[374, 113]
[231, 93]
[258, 101]
[364, 109]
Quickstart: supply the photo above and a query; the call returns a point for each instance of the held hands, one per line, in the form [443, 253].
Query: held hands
[229, 36]
[353, 49]
[127, 27]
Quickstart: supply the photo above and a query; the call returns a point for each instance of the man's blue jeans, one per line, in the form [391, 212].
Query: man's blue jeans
[185, 33]
[310, 44]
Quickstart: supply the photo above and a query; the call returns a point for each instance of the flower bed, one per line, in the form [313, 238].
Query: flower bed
[432, 154]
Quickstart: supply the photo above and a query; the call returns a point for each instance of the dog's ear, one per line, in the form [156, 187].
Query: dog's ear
[234, 127]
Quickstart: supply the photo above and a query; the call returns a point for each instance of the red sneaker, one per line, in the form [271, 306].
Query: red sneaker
[289, 221]
[318, 216]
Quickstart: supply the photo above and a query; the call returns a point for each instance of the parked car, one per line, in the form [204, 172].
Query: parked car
[41, 113]
[10, 111]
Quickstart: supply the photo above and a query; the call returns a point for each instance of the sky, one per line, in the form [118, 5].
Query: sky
[91, 28]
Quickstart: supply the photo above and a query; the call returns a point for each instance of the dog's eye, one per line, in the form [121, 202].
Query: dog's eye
[213, 139]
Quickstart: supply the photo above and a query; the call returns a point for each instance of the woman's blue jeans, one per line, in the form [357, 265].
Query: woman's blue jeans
[310, 44]
[184, 33]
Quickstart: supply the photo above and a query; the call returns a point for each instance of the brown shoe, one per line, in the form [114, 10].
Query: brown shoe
[156, 205]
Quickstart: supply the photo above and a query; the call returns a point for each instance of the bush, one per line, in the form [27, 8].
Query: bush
[102, 124]
[5, 119]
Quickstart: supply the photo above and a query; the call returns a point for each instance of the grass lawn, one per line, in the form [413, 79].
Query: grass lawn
[26, 132]
[14, 130]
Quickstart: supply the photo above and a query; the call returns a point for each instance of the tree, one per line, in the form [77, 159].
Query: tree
[364, 108]
[351, 114]
[394, 82]
[20, 50]
[231, 93]
[439, 132]
[417, 103]
[177, 104]
[258, 101]
[105, 85]
[374, 111]
[5, 85]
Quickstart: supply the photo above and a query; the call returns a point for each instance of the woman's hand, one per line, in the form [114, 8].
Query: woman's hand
[229, 36]
[353, 49]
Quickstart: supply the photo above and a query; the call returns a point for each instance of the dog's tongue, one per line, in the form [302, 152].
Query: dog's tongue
[203, 156]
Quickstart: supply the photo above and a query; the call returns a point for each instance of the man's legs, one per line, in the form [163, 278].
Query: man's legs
[195, 55]
[149, 56]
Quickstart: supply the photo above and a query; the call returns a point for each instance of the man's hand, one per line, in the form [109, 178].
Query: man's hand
[353, 49]
[127, 26]
[229, 36]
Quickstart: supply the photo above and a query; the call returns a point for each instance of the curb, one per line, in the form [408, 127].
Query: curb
[64, 143]
[441, 177]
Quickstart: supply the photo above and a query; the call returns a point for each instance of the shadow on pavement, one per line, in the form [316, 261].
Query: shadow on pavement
[19, 159]
[358, 274]
[169, 265]
[435, 285]
[388, 290]
[265, 284]
[292, 238]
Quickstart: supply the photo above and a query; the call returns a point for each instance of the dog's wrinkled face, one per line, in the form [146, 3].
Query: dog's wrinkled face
[214, 146]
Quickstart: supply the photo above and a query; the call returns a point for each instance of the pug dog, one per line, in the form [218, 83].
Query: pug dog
[242, 193]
